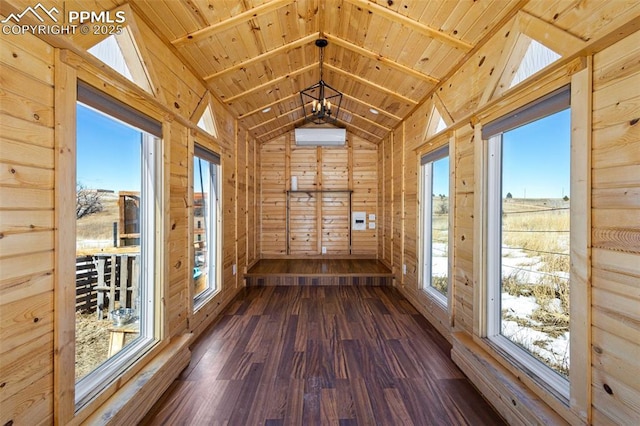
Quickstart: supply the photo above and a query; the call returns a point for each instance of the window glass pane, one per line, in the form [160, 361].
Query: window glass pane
[205, 227]
[440, 226]
[435, 224]
[534, 239]
[114, 218]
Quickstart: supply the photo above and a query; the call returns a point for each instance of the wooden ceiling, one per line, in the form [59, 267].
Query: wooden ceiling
[385, 55]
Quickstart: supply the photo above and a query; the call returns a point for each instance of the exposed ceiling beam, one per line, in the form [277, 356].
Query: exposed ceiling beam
[377, 108]
[370, 84]
[410, 23]
[262, 123]
[231, 22]
[269, 105]
[263, 57]
[360, 117]
[377, 57]
[271, 83]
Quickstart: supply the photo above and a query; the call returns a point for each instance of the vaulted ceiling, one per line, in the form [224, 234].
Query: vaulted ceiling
[383, 55]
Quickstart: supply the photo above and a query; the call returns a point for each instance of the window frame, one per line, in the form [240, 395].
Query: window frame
[426, 225]
[213, 239]
[492, 136]
[89, 386]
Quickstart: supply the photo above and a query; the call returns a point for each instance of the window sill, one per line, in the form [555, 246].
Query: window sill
[506, 391]
[135, 397]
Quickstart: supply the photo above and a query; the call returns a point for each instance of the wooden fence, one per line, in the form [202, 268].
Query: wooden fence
[86, 279]
[106, 281]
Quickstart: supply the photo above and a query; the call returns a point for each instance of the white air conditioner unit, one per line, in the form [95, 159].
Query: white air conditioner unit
[320, 136]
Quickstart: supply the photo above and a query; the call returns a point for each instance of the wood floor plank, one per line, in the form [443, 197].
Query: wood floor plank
[321, 355]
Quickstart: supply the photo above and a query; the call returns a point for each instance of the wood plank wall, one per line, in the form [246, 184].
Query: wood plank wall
[615, 158]
[317, 219]
[616, 233]
[27, 228]
[27, 253]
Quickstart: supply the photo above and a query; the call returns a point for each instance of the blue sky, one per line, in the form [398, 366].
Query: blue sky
[536, 157]
[441, 177]
[108, 152]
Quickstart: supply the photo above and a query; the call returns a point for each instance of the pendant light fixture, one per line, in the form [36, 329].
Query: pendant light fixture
[321, 102]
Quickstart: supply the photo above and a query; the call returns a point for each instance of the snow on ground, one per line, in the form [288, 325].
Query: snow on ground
[439, 262]
[553, 349]
[514, 261]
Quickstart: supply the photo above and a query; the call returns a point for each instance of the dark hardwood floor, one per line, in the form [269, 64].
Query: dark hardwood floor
[321, 355]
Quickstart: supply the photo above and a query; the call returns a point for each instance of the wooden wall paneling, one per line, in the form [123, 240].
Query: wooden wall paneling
[229, 219]
[580, 241]
[273, 183]
[398, 203]
[382, 199]
[242, 209]
[615, 274]
[27, 221]
[319, 201]
[464, 228]
[303, 207]
[335, 174]
[181, 90]
[251, 201]
[180, 263]
[390, 200]
[364, 176]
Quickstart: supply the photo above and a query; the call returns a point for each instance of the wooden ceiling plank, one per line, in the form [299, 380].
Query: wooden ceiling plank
[269, 105]
[369, 106]
[271, 83]
[370, 84]
[377, 57]
[511, 14]
[263, 57]
[414, 25]
[226, 24]
[360, 117]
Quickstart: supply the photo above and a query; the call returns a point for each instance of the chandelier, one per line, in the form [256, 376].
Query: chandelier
[321, 102]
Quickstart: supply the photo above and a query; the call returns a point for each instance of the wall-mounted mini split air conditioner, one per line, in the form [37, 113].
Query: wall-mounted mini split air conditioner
[320, 136]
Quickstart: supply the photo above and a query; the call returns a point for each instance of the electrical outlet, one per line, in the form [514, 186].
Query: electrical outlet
[234, 269]
[324, 250]
[404, 269]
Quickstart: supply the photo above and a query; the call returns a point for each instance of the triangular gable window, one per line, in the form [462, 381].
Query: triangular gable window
[537, 57]
[121, 53]
[207, 122]
[435, 124]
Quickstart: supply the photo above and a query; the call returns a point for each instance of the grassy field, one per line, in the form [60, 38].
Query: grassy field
[535, 265]
[95, 231]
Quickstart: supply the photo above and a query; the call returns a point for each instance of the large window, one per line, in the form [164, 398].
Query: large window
[528, 237]
[206, 220]
[435, 223]
[117, 199]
